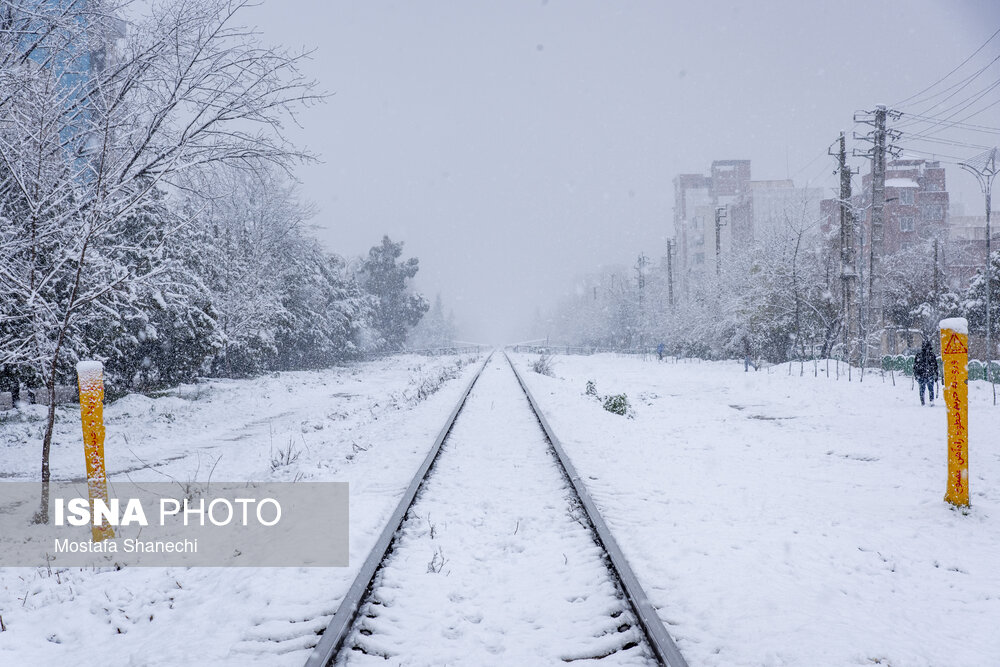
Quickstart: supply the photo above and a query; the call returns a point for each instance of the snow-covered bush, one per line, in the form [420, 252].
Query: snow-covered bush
[424, 385]
[618, 404]
[543, 365]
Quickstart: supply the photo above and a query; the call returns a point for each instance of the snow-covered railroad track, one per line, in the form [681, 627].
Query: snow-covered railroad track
[501, 558]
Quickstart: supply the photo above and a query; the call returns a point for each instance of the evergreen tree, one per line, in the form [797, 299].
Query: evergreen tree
[973, 305]
[396, 309]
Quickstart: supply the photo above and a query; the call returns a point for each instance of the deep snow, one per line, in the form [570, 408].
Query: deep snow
[773, 518]
[784, 520]
[365, 424]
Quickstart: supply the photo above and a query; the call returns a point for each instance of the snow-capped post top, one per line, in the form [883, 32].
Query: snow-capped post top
[89, 368]
[956, 324]
[89, 373]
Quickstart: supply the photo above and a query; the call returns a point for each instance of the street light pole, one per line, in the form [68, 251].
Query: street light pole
[670, 273]
[720, 213]
[984, 168]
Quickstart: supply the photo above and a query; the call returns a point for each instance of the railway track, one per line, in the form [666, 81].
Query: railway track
[496, 554]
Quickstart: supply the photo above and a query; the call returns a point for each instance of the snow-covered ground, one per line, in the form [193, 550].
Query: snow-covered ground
[773, 519]
[784, 520]
[495, 564]
[368, 424]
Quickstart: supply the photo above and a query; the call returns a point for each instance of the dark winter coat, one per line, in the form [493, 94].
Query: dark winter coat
[925, 364]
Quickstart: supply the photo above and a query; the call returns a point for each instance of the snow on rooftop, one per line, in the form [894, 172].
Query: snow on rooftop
[901, 183]
[956, 324]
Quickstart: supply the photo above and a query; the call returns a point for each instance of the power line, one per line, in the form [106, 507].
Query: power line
[978, 96]
[960, 85]
[935, 155]
[936, 140]
[967, 101]
[807, 165]
[960, 65]
[986, 108]
[963, 126]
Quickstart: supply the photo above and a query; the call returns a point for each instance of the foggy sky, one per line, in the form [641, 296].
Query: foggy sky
[514, 145]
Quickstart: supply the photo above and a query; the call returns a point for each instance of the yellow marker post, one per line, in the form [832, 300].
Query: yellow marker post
[90, 375]
[955, 354]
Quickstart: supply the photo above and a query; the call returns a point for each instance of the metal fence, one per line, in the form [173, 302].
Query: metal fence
[445, 351]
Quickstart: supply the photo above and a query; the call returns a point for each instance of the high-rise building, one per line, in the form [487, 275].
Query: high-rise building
[965, 248]
[779, 206]
[916, 204]
[916, 207]
[696, 198]
[753, 210]
[915, 212]
[81, 46]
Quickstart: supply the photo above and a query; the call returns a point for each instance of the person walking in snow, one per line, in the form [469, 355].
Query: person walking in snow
[659, 351]
[925, 370]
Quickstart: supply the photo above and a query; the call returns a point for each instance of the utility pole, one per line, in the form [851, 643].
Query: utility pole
[937, 275]
[937, 287]
[720, 213]
[847, 273]
[640, 270]
[878, 137]
[670, 273]
[984, 168]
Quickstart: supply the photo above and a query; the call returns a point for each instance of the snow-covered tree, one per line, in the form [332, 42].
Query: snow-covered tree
[973, 302]
[92, 126]
[162, 329]
[396, 309]
[775, 298]
[916, 296]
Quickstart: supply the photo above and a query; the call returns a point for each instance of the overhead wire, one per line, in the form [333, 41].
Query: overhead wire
[936, 156]
[947, 109]
[958, 86]
[976, 113]
[907, 137]
[958, 67]
[960, 125]
[964, 104]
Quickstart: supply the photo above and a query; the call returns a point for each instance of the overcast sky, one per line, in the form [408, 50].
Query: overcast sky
[515, 145]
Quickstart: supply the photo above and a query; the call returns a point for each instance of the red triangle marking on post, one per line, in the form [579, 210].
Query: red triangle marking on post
[954, 345]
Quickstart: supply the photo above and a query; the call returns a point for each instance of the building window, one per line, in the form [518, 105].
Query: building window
[933, 212]
[906, 196]
[906, 223]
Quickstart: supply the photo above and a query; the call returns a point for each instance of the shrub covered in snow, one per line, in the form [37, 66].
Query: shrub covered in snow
[543, 365]
[618, 404]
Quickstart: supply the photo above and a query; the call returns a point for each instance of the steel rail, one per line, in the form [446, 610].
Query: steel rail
[339, 626]
[659, 639]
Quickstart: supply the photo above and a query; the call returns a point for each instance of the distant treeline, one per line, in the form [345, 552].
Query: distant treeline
[776, 299]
